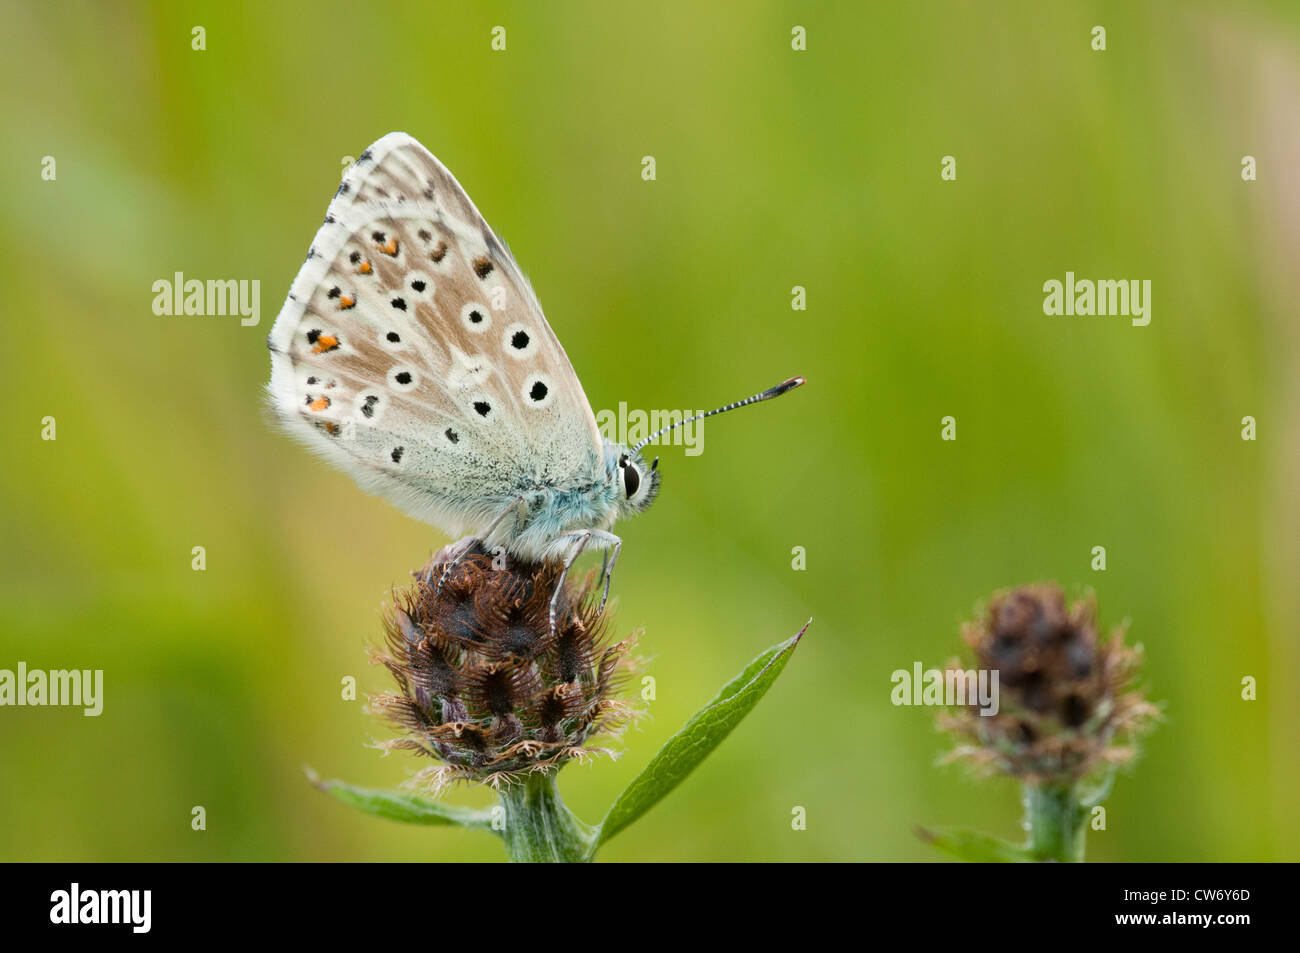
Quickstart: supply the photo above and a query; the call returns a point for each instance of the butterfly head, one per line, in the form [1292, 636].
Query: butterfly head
[637, 481]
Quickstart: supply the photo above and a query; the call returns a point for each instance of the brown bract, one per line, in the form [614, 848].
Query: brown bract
[1067, 704]
[483, 685]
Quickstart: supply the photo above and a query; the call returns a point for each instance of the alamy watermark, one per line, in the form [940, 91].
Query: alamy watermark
[1104, 296]
[630, 427]
[74, 688]
[103, 907]
[946, 688]
[215, 297]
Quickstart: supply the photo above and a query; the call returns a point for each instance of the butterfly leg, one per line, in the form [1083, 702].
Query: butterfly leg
[607, 569]
[469, 542]
[575, 543]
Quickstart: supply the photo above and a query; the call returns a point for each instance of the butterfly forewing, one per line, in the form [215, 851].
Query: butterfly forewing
[412, 351]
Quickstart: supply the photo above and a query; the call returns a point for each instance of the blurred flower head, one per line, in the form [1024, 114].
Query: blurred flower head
[483, 686]
[1067, 702]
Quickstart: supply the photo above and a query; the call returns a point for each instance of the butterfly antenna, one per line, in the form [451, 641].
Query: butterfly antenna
[768, 394]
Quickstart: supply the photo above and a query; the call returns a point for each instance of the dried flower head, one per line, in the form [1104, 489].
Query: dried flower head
[483, 685]
[1066, 701]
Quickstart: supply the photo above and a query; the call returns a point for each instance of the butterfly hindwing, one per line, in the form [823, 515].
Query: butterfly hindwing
[412, 351]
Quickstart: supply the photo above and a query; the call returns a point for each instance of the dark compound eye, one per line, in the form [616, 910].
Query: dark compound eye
[631, 480]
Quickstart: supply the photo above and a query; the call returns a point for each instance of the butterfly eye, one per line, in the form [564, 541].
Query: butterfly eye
[631, 480]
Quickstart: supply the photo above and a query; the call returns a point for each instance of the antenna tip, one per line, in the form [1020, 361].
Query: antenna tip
[784, 386]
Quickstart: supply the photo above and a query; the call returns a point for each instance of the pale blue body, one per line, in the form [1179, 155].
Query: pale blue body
[544, 522]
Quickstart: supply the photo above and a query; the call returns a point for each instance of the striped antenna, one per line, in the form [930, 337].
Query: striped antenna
[768, 394]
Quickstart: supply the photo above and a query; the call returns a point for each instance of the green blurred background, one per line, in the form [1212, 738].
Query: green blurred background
[775, 168]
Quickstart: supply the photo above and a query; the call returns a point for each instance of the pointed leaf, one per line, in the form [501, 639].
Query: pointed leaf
[1091, 799]
[401, 806]
[701, 734]
[974, 846]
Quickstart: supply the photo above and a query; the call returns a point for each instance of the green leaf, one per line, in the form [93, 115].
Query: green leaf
[974, 846]
[707, 727]
[400, 806]
[1089, 800]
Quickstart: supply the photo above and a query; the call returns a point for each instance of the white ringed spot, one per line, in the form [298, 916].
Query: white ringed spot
[475, 317]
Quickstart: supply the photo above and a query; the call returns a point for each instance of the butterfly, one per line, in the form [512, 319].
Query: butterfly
[412, 352]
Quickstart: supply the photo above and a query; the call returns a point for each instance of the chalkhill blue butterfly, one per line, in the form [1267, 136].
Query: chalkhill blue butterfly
[412, 352]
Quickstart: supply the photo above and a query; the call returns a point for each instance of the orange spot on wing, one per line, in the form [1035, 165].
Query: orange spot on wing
[345, 302]
[319, 404]
[326, 342]
[365, 268]
[390, 248]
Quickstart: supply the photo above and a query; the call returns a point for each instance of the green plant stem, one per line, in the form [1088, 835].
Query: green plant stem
[1055, 820]
[539, 828]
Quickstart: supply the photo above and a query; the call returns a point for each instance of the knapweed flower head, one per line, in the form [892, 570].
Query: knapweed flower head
[1067, 704]
[483, 685]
